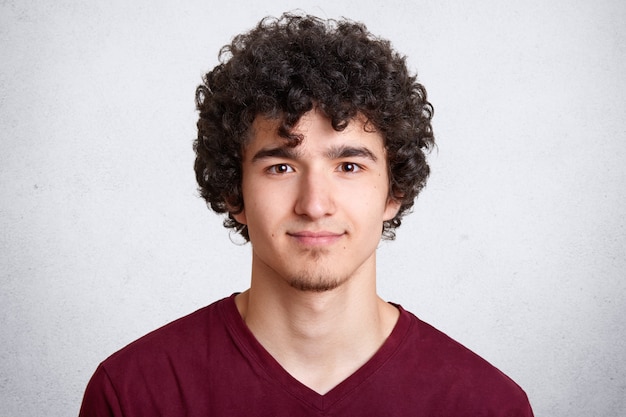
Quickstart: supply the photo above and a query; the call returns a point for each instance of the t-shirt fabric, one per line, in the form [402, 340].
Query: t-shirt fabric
[209, 364]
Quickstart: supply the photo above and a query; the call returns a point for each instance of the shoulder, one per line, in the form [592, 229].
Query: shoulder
[453, 371]
[184, 335]
[163, 369]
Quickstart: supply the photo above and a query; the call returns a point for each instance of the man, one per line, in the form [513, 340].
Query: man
[311, 138]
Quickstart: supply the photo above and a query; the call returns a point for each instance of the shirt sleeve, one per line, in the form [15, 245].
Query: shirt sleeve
[100, 399]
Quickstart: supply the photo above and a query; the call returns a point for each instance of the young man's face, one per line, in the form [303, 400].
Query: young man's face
[315, 212]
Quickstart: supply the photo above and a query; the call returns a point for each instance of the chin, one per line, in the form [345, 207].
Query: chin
[314, 284]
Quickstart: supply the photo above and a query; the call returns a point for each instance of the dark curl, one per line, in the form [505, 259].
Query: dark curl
[284, 68]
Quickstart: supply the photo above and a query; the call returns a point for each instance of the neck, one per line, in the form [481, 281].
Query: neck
[320, 338]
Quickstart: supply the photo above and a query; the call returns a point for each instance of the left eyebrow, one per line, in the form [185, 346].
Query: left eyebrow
[340, 152]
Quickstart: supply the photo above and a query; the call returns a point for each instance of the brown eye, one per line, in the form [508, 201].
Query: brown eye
[349, 167]
[280, 169]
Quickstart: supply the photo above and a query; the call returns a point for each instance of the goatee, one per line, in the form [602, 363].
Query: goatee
[310, 282]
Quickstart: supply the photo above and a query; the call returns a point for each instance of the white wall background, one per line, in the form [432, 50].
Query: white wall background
[516, 248]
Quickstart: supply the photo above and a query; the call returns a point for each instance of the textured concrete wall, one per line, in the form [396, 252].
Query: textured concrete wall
[516, 248]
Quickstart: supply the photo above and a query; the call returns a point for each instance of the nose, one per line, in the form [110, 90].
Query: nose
[315, 196]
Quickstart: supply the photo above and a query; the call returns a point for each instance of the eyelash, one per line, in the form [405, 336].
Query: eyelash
[274, 169]
[348, 167]
[355, 167]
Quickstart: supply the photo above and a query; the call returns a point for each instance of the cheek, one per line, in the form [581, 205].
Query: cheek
[367, 202]
[261, 212]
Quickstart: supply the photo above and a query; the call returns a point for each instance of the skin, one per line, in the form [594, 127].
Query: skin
[314, 214]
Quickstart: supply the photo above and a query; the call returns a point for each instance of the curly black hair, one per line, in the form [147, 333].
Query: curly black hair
[285, 67]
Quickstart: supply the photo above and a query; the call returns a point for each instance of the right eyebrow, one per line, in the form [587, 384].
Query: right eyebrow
[276, 152]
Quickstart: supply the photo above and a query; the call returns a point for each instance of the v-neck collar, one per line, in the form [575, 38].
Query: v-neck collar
[261, 358]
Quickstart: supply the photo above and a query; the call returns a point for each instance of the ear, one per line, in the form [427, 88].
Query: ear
[391, 209]
[240, 217]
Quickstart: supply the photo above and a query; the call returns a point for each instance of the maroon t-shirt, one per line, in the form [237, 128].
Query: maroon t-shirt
[210, 364]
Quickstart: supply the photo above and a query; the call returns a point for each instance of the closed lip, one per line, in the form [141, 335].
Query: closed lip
[316, 237]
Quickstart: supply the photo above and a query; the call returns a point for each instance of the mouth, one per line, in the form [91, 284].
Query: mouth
[320, 238]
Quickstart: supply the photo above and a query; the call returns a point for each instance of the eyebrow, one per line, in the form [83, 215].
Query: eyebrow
[277, 152]
[344, 151]
[335, 152]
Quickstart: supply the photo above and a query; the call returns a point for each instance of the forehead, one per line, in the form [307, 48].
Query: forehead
[315, 130]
